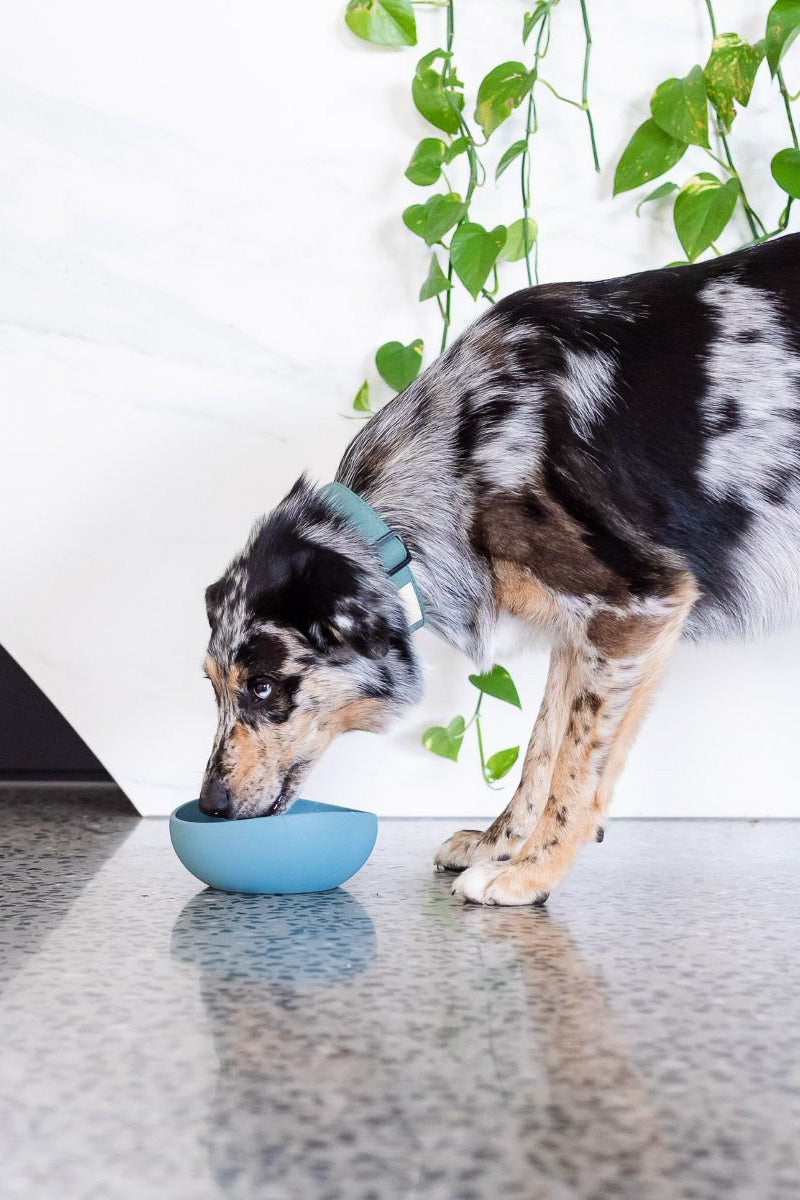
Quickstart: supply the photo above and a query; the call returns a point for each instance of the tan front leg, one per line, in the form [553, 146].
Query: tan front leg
[518, 819]
[620, 662]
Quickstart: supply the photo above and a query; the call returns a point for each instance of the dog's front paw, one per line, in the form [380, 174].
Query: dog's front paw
[462, 850]
[501, 883]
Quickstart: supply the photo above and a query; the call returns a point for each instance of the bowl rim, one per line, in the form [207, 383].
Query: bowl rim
[324, 810]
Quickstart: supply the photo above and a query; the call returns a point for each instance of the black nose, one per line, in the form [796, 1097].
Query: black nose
[215, 799]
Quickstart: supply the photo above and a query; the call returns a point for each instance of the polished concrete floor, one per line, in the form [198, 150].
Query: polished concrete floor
[639, 1038]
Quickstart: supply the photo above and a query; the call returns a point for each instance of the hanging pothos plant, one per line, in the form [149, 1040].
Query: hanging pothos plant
[463, 251]
[450, 160]
[680, 108]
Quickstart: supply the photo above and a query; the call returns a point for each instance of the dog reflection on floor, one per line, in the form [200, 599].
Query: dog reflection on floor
[337, 1070]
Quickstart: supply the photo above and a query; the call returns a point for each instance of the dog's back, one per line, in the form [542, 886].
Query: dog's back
[660, 410]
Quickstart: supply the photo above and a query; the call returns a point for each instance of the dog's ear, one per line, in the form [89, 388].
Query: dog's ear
[214, 601]
[323, 593]
[361, 629]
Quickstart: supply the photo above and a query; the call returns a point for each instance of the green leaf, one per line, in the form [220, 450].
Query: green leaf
[436, 94]
[703, 208]
[382, 22]
[500, 92]
[397, 364]
[455, 148]
[729, 73]
[441, 213]
[514, 248]
[426, 162]
[783, 26]
[508, 157]
[679, 107]
[648, 154]
[432, 220]
[473, 253]
[497, 683]
[446, 742]
[414, 219]
[501, 763]
[532, 19]
[785, 168]
[361, 399]
[436, 282]
[663, 189]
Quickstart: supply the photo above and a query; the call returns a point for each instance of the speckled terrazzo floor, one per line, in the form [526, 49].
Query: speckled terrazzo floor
[638, 1039]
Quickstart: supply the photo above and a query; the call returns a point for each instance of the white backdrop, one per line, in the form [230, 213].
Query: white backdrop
[201, 249]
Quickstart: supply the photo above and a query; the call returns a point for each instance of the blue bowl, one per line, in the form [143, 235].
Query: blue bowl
[311, 848]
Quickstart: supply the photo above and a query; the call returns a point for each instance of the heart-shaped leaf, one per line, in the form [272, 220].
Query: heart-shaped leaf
[432, 220]
[436, 282]
[510, 155]
[441, 213]
[500, 763]
[497, 683]
[473, 253]
[425, 166]
[648, 154]
[383, 22]
[361, 399]
[703, 208]
[399, 365]
[414, 219]
[446, 742]
[680, 108]
[437, 94]
[515, 239]
[500, 92]
[730, 72]
[785, 168]
[663, 189]
[783, 26]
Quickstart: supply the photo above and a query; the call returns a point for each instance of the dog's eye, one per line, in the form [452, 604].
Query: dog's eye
[260, 689]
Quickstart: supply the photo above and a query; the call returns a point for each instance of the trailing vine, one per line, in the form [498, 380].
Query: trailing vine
[704, 205]
[695, 111]
[471, 255]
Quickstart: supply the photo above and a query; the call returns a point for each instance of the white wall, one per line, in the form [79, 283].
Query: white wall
[201, 249]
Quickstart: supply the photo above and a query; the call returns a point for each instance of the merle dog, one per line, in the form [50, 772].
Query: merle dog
[617, 461]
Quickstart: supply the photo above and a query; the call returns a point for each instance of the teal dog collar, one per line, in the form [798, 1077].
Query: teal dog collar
[389, 546]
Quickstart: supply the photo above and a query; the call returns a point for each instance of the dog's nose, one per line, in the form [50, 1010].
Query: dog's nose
[215, 799]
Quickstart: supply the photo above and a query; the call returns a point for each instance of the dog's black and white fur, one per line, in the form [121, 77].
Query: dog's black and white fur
[619, 461]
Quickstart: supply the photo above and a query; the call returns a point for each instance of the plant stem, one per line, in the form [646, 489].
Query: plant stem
[449, 293]
[750, 213]
[752, 216]
[558, 96]
[790, 119]
[783, 220]
[542, 42]
[480, 739]
[711, 18]
[585, 87]
[525, 182]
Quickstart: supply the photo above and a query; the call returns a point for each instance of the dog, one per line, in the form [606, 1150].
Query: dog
[617, 462]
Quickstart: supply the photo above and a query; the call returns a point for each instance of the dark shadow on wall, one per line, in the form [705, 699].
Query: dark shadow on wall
[36, 742]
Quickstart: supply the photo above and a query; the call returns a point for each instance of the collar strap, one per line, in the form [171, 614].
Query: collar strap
[387, 544]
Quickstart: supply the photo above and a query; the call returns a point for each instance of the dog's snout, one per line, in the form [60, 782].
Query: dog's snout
[215, 799]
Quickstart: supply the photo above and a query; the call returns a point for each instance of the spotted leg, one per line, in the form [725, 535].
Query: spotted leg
[618, 664]
[518, 819]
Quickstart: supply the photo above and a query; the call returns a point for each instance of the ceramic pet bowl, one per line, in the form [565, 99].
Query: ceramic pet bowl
[311, 848]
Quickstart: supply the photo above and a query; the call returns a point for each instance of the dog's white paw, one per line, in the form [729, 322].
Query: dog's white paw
[462, 850]
[500, 883]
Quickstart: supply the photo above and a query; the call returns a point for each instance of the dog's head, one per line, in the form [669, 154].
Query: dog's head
[308, 639]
